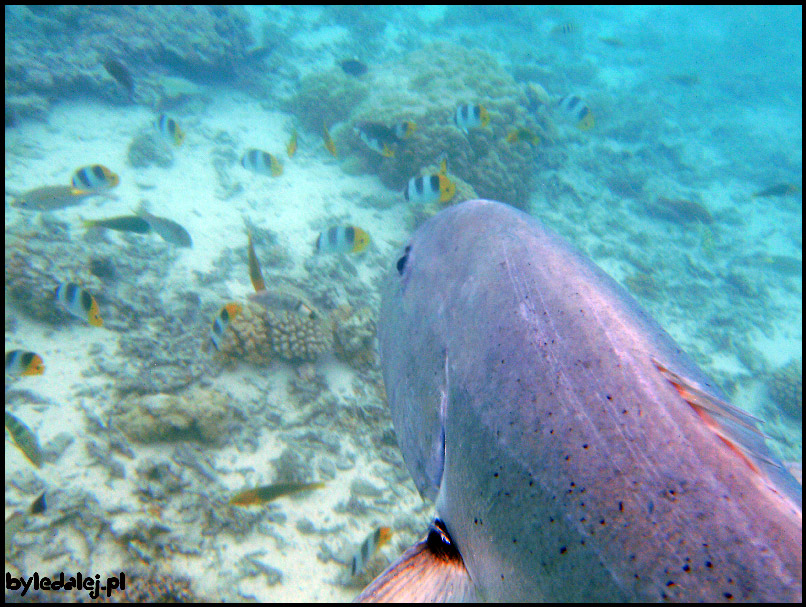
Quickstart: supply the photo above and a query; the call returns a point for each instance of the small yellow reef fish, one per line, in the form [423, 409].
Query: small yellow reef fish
[524, 135]
[20, 363]
[469, 116]
[94, 177]
[429, 188]
[50, 197]
[577, 110]
[331, 147]
[380, 138]
[267, 493]
[779, 189]
[25, 440]
[79, 303]
[261, 162]
[342, 239]
[377, 137]
[170, 130]
[221, 323]
[255, 275]
[369, 547]
[291, 148]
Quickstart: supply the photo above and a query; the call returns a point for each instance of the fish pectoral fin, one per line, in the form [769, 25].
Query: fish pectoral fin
[735, 427]
[430, 571]
[700, 399]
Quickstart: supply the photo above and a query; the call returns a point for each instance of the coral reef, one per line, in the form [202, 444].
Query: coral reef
[259, 335]
[54, 52]
[38, 259]
[354, 336]
[785, 388]
[428, 92]
[154, 587]
[198, 414]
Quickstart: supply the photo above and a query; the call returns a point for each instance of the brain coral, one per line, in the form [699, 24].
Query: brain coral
[426, 91]
[259, 335]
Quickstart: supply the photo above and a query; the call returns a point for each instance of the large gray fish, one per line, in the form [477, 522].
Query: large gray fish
[574, 452]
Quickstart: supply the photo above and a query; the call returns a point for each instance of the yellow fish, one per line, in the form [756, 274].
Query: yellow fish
[267, 493]
[524, 135]
[331, 147]
[221, 323]
[79, 303]
[170, 130]
[261, 162]
[340, 239]
[20, 363]
[291, 148]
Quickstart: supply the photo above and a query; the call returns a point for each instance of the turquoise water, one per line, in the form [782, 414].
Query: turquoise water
[685, 186]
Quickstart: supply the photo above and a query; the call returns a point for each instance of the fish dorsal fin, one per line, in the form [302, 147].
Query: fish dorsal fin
[430, 571]
[735, 427]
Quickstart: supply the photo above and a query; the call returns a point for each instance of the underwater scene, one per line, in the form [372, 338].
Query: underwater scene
[202, 206]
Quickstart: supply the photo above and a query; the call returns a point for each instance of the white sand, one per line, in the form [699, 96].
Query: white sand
[312, 193]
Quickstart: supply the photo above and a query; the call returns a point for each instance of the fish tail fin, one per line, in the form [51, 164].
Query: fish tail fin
[430, 571]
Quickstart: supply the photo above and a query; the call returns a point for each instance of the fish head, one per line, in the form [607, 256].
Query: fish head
[484, 116]
[361, 240]
[94, 315]
[447, 189]
[413, 356]
[35, 367]
[413, 332]
[586, 122]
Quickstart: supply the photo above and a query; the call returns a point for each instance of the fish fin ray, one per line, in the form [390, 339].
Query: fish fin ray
[738, 430]
[700, 399]
[424, 573]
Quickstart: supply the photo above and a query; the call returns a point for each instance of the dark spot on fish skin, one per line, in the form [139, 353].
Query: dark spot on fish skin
[602, 522]
[728, 595]
[495, 474]
[686, 568]
[563, 550]
[709, 564]
[621, 507]
[585, 446]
